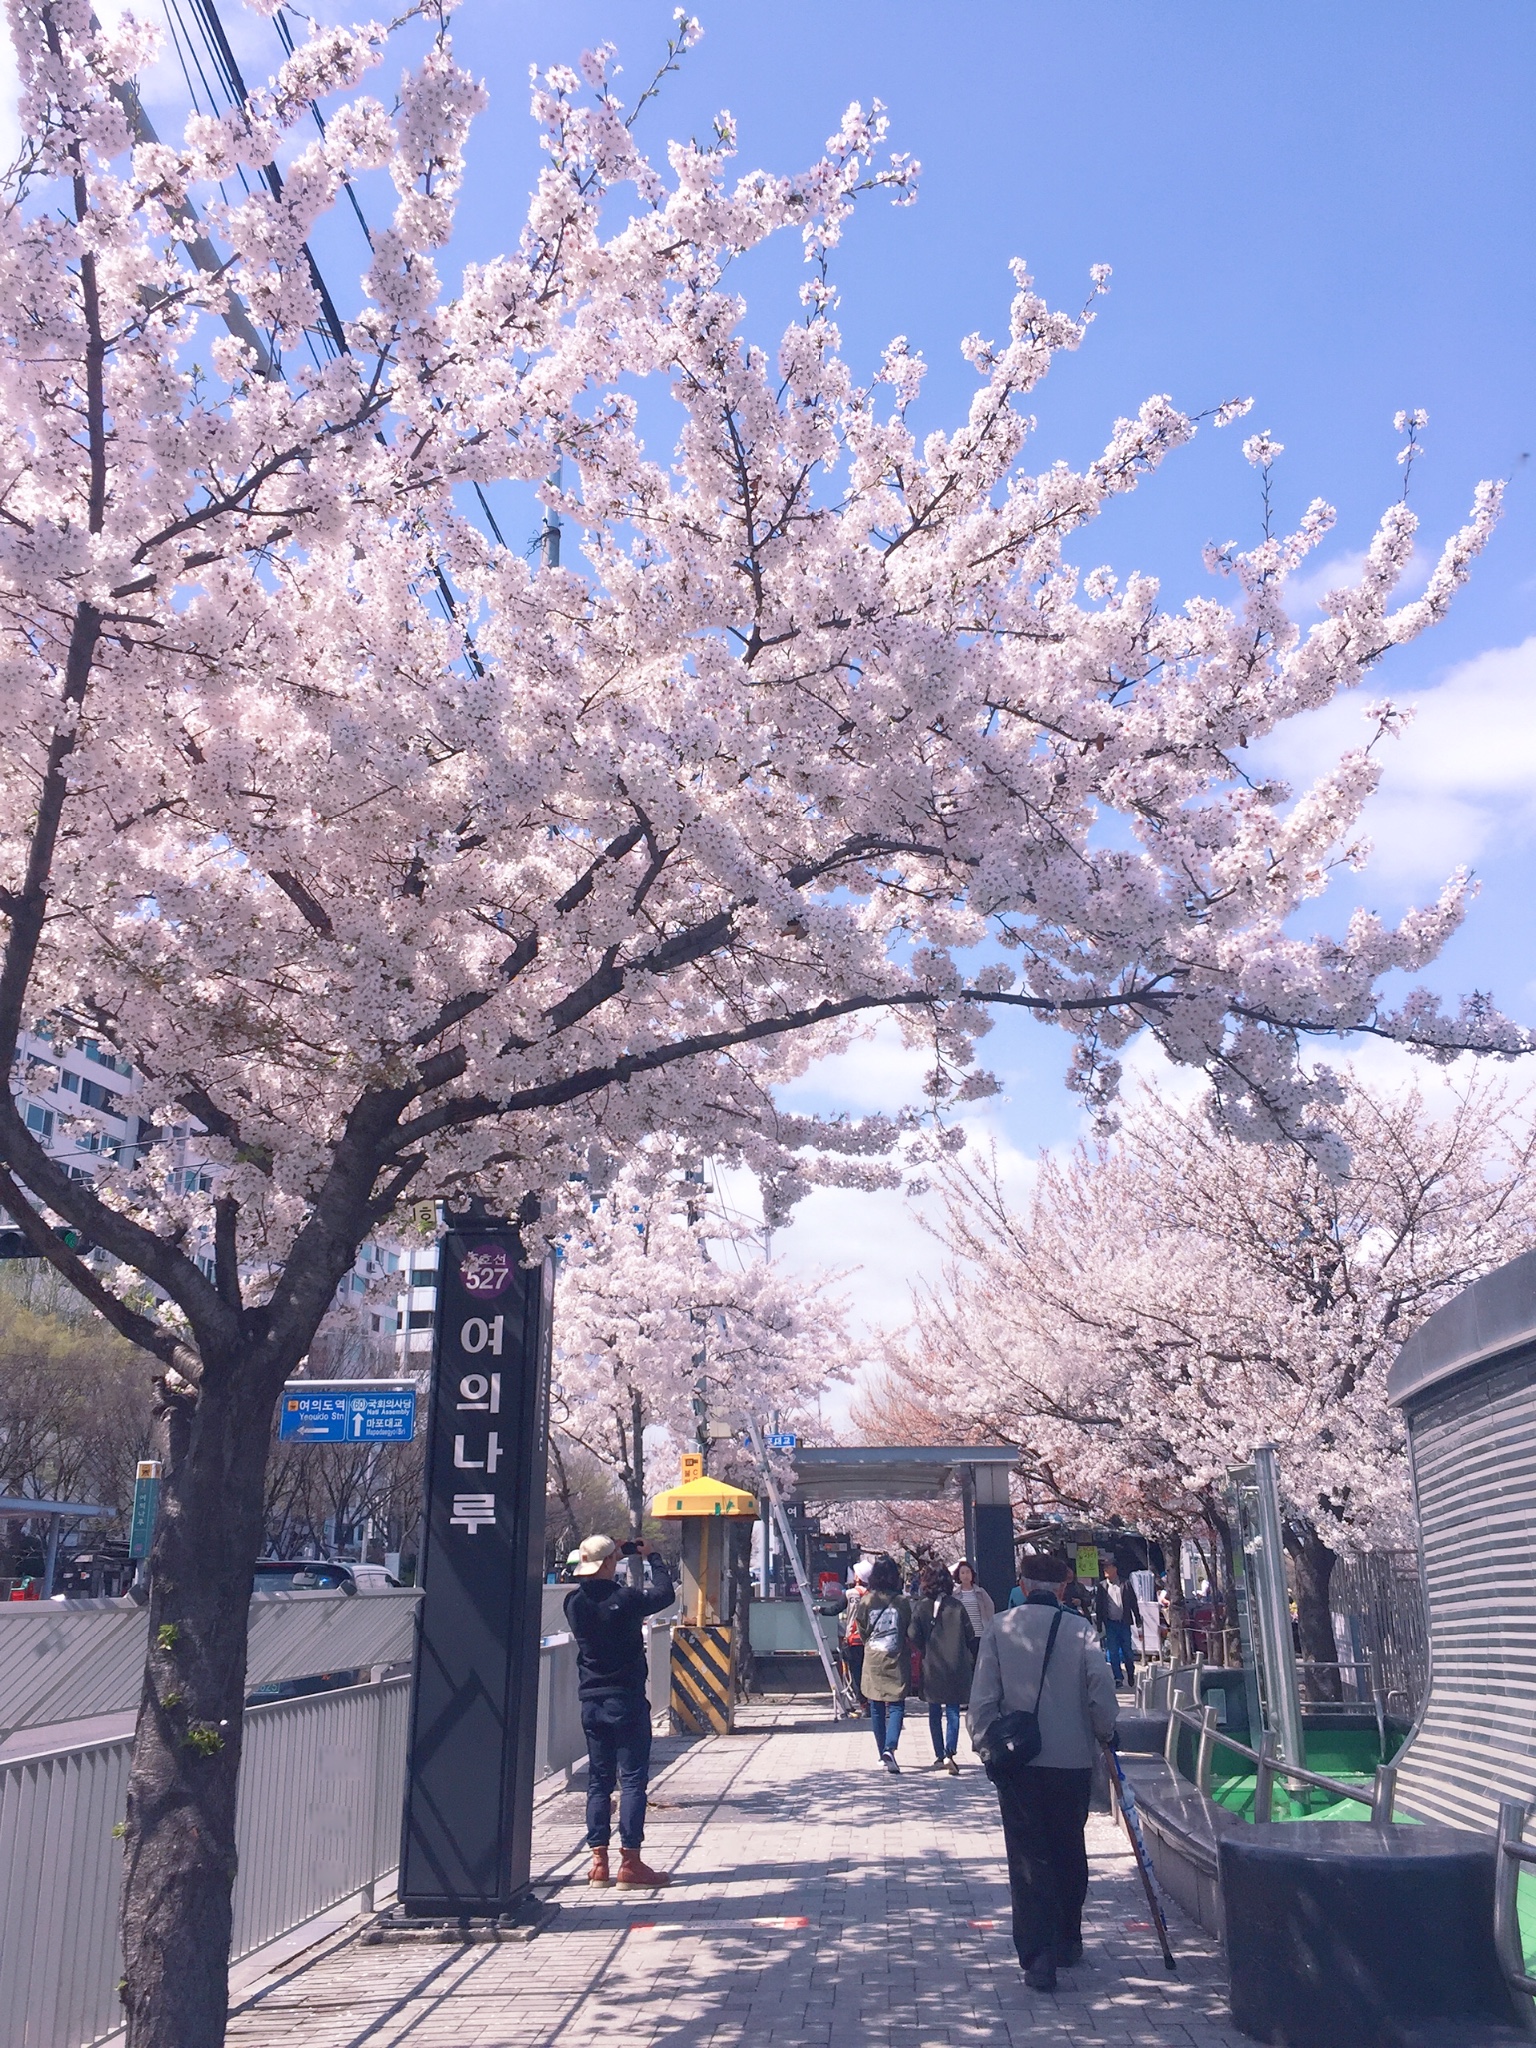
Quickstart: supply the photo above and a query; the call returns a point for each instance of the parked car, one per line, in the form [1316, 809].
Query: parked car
[320, 1575]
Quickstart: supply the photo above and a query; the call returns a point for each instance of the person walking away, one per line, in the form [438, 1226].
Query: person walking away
[973, 1596]
[851, 1641]
[1043, 1659]
[1117, 1611]
[884, 1618]
[607, 1621]
[946, 1644]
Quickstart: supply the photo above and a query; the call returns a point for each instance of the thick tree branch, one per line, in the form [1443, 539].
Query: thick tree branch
[138, 1329]
[630, 1066]
[160, 1262]
[313, 913]
[226, 1251]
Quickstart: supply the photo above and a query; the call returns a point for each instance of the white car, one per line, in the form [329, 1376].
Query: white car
[320, 1575]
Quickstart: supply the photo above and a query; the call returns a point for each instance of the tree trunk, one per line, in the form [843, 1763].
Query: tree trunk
[1172, 1541]
[1312, 1565]
[1226, 1582]
[180, 1829]
[572, 1536]
[741, 1610]
[636, 1483]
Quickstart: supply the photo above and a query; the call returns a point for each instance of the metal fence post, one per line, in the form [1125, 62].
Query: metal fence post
[1171, 1740]
[1204, 1755]
[1506, 1908]
[1384, 1792]
[1264, 1779]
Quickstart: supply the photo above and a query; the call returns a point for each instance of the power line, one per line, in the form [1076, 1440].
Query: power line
[332, 333]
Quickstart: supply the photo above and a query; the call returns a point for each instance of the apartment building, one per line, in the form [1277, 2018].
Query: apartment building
[416, 1308]
[78, 1099]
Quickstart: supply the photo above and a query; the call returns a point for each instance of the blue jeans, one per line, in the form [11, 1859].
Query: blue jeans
[885, 1719]
[1120, 1650]
[618, 1732]
[944, 1721]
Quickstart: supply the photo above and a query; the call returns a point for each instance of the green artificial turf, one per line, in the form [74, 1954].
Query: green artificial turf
[1525, 1908]
[1348, 1754]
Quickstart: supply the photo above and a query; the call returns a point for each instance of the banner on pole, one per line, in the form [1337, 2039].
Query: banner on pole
[146, 1505]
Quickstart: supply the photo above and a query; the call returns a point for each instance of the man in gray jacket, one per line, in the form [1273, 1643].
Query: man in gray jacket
[1045, 1803]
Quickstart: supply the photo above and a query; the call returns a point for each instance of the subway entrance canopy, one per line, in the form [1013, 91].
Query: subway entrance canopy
[893, 1473]
[926, 1472]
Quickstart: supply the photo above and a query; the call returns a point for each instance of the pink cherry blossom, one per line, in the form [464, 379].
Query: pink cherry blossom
[400, 866]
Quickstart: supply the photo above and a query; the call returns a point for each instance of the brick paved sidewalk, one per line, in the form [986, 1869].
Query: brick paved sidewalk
[818, 1901]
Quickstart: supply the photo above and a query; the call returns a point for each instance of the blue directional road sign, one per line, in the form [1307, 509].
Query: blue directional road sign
[348, 1412]
[779, 1440]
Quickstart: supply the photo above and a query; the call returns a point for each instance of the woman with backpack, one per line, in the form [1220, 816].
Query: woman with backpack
[945, 1645]
[884, 1621]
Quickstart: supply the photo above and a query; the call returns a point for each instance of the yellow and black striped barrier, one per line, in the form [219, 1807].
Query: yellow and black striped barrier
[703, 1699]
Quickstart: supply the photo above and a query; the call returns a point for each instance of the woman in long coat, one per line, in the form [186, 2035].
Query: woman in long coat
[884, 1618]
[942, 1631]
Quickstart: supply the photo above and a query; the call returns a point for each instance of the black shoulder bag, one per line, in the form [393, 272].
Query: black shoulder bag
[1013, 1740]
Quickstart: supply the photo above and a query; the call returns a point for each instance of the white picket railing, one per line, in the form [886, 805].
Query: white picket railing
[318, 1822]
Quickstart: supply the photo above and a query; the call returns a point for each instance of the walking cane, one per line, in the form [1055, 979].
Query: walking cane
[1132, 1821]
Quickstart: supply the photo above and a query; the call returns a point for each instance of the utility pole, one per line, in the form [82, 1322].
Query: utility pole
[694, 1178]
[549, 532]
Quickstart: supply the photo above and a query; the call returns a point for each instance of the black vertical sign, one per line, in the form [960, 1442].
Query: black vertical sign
[469, 1790]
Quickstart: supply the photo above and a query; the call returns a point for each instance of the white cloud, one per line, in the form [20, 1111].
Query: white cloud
[877, 1075]
[1306, 590]
[1462, 773]
[877, 1241]
[1144, 1064]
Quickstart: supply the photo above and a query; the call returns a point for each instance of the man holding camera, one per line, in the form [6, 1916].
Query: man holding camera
[608, 1623]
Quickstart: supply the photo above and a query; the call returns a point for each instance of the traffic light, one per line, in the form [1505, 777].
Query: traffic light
[14, 1246]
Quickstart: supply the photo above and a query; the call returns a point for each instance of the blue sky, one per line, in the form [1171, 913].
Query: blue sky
[1322, 207]
[1325, 207]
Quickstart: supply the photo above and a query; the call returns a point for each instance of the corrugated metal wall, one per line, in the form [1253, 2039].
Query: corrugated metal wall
[60, 1869]
[80, 1658]
[1474, 1464]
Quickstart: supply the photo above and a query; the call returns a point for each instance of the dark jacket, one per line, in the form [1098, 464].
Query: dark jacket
[1130, 1608]
[948, 1642]
[608, 1622]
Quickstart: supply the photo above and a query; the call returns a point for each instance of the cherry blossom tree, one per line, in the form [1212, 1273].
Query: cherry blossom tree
[669, 1320]
[398, 865]
[1166, 1301]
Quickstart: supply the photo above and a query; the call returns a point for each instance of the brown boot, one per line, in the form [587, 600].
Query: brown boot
[598, 1874]
[635, 1871]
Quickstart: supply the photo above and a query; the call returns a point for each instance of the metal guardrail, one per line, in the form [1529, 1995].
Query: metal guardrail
[318, 1820]
[1267, 1766]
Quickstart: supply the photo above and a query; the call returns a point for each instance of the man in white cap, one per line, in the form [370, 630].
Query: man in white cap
[608, 1623]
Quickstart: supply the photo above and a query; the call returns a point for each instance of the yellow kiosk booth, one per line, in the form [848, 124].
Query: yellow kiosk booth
[703, 1693]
